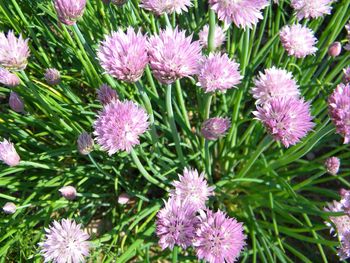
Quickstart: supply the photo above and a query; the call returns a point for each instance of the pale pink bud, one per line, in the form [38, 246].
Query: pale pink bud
[15, 102]
[332, 165]
[85, 143]
[8, 153]
[334, 49]
[52, 76]
[68, 192]
[9, 208]
[123, 198]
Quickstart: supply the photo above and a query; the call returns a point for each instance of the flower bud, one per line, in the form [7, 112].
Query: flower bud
[123, 198]
[69, 11]
[8, 153]
[85, 143]
[52, 76]
[334, 49]
[68, 192]
[106, 94]
[16, 103]
[332, 165]
[9, 208]
[214, 128]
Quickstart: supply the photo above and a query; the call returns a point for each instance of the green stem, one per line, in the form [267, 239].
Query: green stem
[211, 35]
[99, 168]
[207, 161]
[182, 103]
[167, 21]
[174, 256]
[83, 41]
[174, 131]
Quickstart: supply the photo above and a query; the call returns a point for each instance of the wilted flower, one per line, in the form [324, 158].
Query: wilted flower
[214, 128]
[218, 73]
[160, 7]
[243, 13]
[14, 52]
[274, 83]
[346, 77]
[219, 36]
[339, 110]
[68, 192]
[15, 102]
[334, 49]
[332, 165]
[52, 76]
[123, 198]
[312, 8]
[119, 125]
[173, 56]
[8, 153]
[9, 208]
[69, 11]
[8, 79]
[288, 120]
[218, 237]
[176, 224]
[65, 242]
[85, 143]
[124, 55]
[192, 188]
[106, 94]
[298, 40]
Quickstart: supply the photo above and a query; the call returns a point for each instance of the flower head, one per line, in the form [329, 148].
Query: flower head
[288, 120]
[8, 79]
[312, 8]
[219, 238]
[160, 7]
[52, 76]
[176, 224]
[345, 200]
[9, 208]
[119, 125]
[243, 13]
[218, 73]
[69, 11]
[214, 128]
[347, 46]
[274, 83]
[192, 188]
[14, 52]
[346, 77]
[106, 94]
[8, 153]
[339, 110]
[15, 102]
[344, 249]
[68, 192]
[173, 55]
[85, 143]
[332, 165]
[334, 49]
[65, 242]
[124, 55]
[123, 198]
[219, 36]
[298, 40]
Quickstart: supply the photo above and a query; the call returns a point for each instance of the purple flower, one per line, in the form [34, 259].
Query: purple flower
[347, 46]
[68, 192]
[176, 224]
[243, 13]
[288, 120]
[9, 208]
[16, 103]
[106, 94]
[173, 56]
[219, 238]
[8, 79]
[219, 36]
[160, 7]
[298, 40]
[345, 200]
[334, 49]
[124, 55]
[312, 8]
[344, 249]
[119, 125]
[8, 153]
[274, 83]
[214, 128]
[192, 188]
[69, 11]
[346, 77]
[52, 76]
[332, 165]
[14, 52]
[85, 143]
[218, 73]
[339, 110]
[65, 242]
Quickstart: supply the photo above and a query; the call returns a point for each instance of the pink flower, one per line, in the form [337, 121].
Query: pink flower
[346, 77]
[160, 7]
[52, 76]
[124, 55]
[192, 188]
[16, 103]
[8, 153]
[340, 224]
[219, 36]
[274, 83]
[334, 49]
[347, 46]
[288, 120]
[69, 11]
[123, 198]
[218, 73]
[85, 143]
[68, 192]
[106, 94]
[173, 55]
[14, 52]
[9, 208]
[119, 125]
[214, 128]
[8, 79]
[332, 165]
[312, 8]
[218, 237]
[243, 13]
[298, 40]
[65, 242]
[339, 110]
